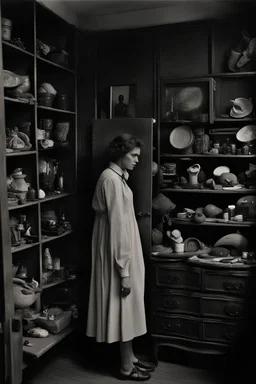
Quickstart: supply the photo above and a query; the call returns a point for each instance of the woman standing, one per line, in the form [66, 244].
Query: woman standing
[116, 304]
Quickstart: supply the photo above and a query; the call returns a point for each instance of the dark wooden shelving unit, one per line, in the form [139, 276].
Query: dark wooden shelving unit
[34, 18]
[183, 288]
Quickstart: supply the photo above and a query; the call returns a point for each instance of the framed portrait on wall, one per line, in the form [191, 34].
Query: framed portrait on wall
[122, 101]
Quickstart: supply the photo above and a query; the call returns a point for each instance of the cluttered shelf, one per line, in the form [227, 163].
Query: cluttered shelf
[56, 196]
[27, 204]
[22, 101]
[56, 110]
[217, 223]
[201, 155]
[16, 48]
[20, 153]
[210, 191]
[23, 247]
[55, 64]
[52, 238]
[38, 346]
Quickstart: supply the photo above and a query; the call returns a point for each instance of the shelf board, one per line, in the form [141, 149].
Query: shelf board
[183, 122]
[13, 100]
[16, 48]
[228, 119]
[56, 110]
[195, 155]
[210, 191]
[24, 246]
[20, 153]
[52, 238]
[42, 345]
[53, 284]
[233, 74]
[54, 64]
[54, 197]
[213, 224]
[28, 204]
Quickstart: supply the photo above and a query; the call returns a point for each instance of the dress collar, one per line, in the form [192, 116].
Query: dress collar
[124, 174]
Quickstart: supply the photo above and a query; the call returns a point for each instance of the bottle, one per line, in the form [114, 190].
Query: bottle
[47, 260]
[61, 182]
[228, 147]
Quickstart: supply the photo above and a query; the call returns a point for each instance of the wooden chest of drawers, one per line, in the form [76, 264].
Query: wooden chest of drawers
[198, 308]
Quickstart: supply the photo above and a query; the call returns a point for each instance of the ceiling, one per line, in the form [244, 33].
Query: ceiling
[105, 7]
[100, 15]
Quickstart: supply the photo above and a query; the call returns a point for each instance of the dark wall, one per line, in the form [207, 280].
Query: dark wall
[86, 112]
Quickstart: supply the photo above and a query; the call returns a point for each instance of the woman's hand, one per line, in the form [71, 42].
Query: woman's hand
[125, 286]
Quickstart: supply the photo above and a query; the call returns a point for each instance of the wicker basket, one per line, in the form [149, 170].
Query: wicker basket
[162, 205]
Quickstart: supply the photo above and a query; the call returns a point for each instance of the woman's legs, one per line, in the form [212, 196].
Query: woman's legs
[127, 357]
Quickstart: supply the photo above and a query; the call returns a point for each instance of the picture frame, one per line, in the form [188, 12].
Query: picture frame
[188, 100]
[122, 101]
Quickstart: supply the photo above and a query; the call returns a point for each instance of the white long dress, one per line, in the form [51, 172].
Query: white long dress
[116, 253]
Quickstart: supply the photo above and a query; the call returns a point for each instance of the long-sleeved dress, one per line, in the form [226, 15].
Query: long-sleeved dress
[116, 253]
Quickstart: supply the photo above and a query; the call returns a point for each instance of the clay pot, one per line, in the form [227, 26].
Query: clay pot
[199, 217]
[23, 298]
[212, 211]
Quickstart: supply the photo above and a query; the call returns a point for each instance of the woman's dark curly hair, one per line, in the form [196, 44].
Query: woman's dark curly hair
[121, 145]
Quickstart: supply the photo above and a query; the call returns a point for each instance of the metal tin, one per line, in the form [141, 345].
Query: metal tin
[231, 211]
[245, 150]
[233, 149]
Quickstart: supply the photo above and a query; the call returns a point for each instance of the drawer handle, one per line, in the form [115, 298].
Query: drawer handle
[171, 304]
[233, 286]
[229, 335]
[170, 327]
[232, 310]
[169, 280]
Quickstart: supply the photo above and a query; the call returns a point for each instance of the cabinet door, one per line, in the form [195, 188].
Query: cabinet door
[140, 180]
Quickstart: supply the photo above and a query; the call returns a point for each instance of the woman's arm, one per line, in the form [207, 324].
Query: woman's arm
[120, 246]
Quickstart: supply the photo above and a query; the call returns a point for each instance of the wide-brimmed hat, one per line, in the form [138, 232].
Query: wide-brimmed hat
[242, 107]
[189, 99]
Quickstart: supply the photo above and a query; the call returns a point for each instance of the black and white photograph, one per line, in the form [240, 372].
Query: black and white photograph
[128, 191]
[123, 101]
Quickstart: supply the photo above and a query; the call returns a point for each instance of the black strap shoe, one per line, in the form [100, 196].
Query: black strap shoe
[146, 365]
[135, 375]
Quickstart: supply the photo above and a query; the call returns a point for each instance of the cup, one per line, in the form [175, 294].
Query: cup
[179, 247]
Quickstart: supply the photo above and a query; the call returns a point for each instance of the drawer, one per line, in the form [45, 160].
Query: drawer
[222, 307]
[220, 331]
[178, 278]
[179, 326]
[176, 302]
[228, 282]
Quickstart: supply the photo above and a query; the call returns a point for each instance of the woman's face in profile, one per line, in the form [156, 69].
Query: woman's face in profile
[131, 158]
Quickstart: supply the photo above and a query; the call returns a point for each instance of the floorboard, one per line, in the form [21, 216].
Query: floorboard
[74, 362]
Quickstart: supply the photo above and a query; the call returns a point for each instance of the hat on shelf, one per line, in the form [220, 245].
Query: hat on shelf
[242, 107]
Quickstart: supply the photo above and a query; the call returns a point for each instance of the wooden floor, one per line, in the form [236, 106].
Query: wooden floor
[67, 364]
